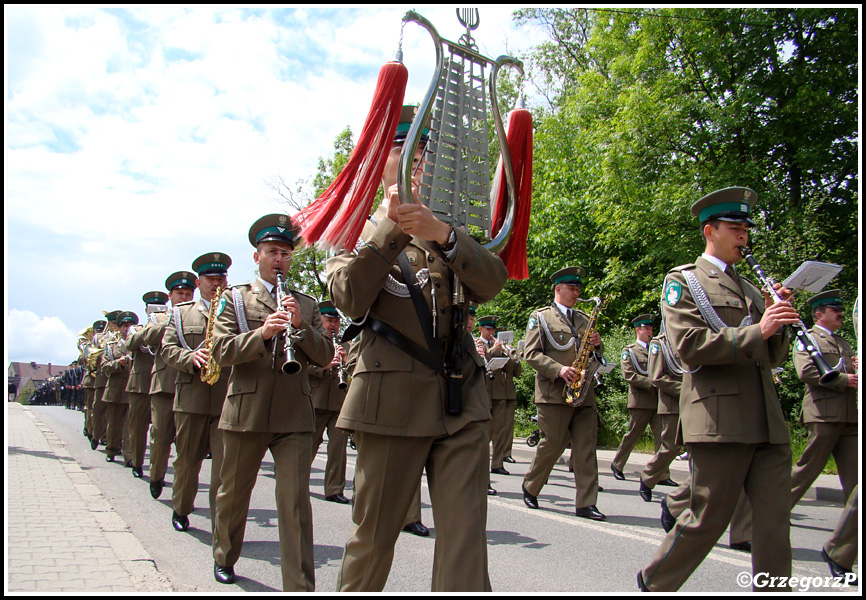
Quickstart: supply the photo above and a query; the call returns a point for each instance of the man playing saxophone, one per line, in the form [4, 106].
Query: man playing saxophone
[197, 405]
[553, 335]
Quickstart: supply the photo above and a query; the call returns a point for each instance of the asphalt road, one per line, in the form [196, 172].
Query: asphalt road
[548, 550]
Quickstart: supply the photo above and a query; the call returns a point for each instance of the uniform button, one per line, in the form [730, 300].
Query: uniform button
[438, 284]
[430, 258]
[393, 244]
[378, 364]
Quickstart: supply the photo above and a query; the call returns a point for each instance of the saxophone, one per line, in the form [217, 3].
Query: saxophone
[210, 374]
[573, 391]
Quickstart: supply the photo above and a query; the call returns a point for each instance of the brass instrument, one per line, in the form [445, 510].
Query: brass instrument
[585, 371]
[344, 382]
[827, 374]
[291, 366]
[210, 374]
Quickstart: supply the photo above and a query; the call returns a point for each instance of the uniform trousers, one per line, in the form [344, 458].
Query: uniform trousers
[196, 436]
[502, 430]
[98, 415]
[88, 409]
[843, 543]
[243, 456]
[658, 467]
[414, 514]
[561, 424]
[387, 477]
[117, 432]
[161, 433]
[335, 468]
[741, 521]
[639, 418]
[825, 439]
[138, 419]
[720, 471]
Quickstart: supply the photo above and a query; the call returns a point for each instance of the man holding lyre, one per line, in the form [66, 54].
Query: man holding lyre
[396, 405]
[553, 336]
[730, 336]
[197, 404]
[267, 407]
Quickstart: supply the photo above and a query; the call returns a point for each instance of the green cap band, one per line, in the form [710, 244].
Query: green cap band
[827, 301]
[329, 310]
[568, 279]
[713, 210]
[188, 283]
[276, 232]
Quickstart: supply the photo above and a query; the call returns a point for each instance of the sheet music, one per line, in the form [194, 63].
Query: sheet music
[812, 276]
[497, 363]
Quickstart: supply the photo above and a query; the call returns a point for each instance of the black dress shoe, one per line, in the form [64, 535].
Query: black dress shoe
[136, 472]
[600, 489]
[179, 522]
[742, 546]
[417, 528]
[590, 512]
[646, 492]
[94, 443]
[223, 574]
[156, 488]
[109, 458]
[338, 498]
[668, 519]
[838, 571]
[491, 491]
[617, 474]
[528, 499]
[500, 471]
[509, 460]
[669, 482]
[640, 583]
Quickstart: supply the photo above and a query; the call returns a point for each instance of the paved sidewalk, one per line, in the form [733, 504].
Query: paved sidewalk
[62, 535]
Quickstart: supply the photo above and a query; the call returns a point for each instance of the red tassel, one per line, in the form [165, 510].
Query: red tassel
[519, 138]
[355, 187]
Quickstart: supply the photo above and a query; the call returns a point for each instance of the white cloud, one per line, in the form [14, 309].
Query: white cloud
[44, 340]
[140, 138]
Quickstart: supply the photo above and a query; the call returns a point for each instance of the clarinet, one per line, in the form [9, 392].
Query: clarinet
[827, 373]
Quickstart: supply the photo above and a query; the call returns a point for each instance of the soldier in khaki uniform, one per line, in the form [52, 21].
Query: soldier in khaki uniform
[266, 409]
[503, 396]
[138, 385]
[666, 375]
[396, 405]
[829, 411]
[840, 551]
[117, 365]
[553, 336]
[643, 396]
[730, 336]
[197, 405]
[328, 399]
[89, 382]
[181, 287]
[98, 417]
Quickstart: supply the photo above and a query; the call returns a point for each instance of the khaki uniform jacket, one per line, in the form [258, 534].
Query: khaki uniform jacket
[641, 392]
[731, 398]
[259, 397]
[101, 378]
[666, 381]
[118, 375]
[392, 393]
[502, 384]
[833, 403]
[192, 395]
[89, 379]
[142, 364]
[324, 386]
[547, 360]
[163, 378]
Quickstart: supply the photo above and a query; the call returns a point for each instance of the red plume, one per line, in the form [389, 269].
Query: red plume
[519, 138]
[355, 187]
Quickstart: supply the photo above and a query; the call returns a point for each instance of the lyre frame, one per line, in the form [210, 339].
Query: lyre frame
[413, 137]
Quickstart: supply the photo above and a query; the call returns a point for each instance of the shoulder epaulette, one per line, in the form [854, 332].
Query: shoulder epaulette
[186, 303]
[300, 293]
[683, 267]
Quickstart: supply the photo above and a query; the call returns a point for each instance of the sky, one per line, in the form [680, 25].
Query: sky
[139, 138]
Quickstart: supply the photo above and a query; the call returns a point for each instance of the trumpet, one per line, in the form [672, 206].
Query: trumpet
[291, 366]
[827, 374]
[344, 383]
